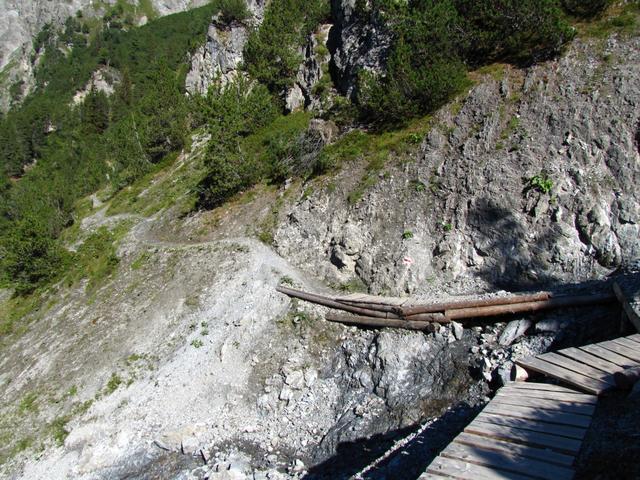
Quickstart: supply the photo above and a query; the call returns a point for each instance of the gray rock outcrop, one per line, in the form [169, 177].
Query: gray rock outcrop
[221, 55]
[305, 92]
[358, 41]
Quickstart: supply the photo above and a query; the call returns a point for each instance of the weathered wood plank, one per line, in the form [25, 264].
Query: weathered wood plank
[449, 467]
[630, 353]
[635, 337]
[577, 367]
[635, 346]
[571, 397]
[547, 404]
[508, 462]
[534, 413]
[525, 437]
[608, 355]
[591, 360]
[541, 386]
[517, 449]
[627, 289]
[535, 426]
[583, 382]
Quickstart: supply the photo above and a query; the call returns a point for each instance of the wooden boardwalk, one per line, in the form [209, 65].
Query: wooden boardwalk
[589, 368]
[528, 431]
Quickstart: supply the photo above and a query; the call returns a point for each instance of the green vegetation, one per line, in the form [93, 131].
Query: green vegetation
[271, 55]
[58, 429]
[622, 19]
[197, 343]
[28, 403]
[408, 234]
[233, 11]
[435, 42]
[251, 141]
[53, 152]
[112, 385]
[540, 183]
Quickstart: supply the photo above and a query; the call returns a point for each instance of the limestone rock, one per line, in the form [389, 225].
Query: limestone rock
[514, 330]
[219, 58]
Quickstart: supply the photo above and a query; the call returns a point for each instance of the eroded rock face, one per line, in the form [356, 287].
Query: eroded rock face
[102, 80]
[359, 40]
[477, 219]
[221, 55]
[314, 68]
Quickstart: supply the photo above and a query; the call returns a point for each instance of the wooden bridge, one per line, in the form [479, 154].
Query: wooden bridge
[529, 430]
[535, 430]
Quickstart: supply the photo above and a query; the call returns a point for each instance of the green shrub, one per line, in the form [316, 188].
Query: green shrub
[517, 31]
[271, 54]
[540, 183]
[233, 11]
[232, 112]
[433, 42]
[585, 8]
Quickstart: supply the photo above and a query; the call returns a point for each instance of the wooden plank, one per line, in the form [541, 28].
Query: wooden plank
[535, 426]
[571, 397]
[449, 467]
[522, 450]
[585, 383]
[626, 298]
[577, 367]
[525, 437]
[508, 462]
[549, 387]
[621, 350]
[591, 360]
[635, 337]
[547, 404]
[608, 355]
[542, 415]
[635, 346]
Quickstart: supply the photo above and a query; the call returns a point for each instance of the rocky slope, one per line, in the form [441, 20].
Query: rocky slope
[470, 197]
[187, 364]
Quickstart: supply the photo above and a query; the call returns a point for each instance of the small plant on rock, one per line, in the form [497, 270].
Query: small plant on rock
[407, 235]
[540, 183]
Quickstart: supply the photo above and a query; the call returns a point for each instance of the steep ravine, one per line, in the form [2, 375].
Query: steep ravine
[188, 364]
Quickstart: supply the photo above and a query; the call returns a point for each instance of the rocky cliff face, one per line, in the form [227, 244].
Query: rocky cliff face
[358, 41]
[21, 20]
[530, 177]
[221, 55]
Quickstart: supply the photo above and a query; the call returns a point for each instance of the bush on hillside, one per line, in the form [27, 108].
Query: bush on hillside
[434, 42]
[271, 55]
[232, 112]
[585, 8]
[233, 11]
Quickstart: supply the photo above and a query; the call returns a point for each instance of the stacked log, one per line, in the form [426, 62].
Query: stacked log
[371, 313]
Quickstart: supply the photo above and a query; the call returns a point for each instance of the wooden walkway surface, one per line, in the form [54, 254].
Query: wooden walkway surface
[589, 368]
[528, 431]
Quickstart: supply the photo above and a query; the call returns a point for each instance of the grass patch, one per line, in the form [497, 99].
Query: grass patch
[13, 312]
[58, 429]
[28, 404]
[112, 385]
[96, 258]
[141, 261]
[618, 19]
